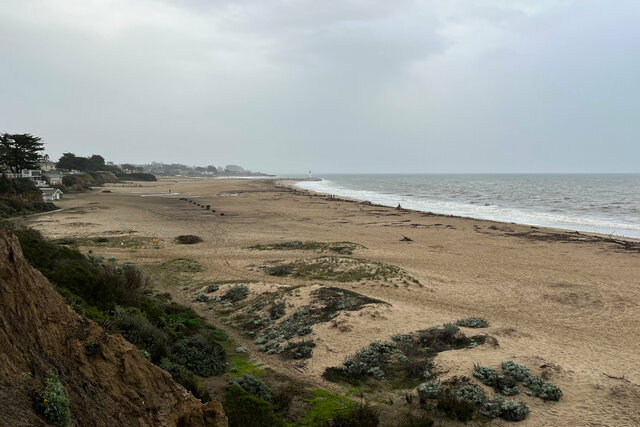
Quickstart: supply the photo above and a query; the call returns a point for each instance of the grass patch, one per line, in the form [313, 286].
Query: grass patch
[343, 248]
[324, 405]
[342, 269]
[175, 272]
[242, 366]
[125, 242]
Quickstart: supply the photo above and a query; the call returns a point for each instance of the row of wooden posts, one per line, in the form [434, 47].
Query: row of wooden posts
[206, 207]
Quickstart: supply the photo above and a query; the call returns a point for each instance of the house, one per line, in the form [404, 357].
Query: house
[46, 164]
[33, 175]
[54, 178]
[51, 194]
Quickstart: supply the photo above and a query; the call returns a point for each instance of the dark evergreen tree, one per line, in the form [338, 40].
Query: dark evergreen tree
[20, 151]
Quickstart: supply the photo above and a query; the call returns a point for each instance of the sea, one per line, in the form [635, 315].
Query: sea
[600, 203]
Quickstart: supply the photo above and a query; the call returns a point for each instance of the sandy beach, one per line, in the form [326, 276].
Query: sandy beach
[562, 303]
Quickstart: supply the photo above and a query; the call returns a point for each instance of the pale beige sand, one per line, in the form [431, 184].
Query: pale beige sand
[571, 306]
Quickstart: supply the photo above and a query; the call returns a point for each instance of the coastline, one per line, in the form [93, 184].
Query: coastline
[292, 184]
[553, 298]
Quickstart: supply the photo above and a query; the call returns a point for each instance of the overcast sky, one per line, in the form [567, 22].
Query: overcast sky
[331, 86]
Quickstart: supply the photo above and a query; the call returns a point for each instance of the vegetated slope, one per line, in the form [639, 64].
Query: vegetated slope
[107, 380]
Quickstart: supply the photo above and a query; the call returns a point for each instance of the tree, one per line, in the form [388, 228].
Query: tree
[20, 151]
[70, 161]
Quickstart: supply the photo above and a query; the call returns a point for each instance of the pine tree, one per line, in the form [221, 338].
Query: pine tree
[20, 151]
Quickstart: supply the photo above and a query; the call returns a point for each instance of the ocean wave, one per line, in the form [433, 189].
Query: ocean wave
[553, 217]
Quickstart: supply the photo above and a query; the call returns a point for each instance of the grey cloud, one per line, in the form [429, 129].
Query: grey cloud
[494, 86]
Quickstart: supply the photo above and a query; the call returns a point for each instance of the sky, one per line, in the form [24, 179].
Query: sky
[376, 86]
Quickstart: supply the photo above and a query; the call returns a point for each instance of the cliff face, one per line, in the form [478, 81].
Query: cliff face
[106, 378]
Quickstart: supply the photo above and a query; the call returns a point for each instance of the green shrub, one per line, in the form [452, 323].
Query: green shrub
[413, 421]
[243, 409]
[137, 329]
[361, 416]
[430, 390]
[513, 411]
[485, 374]
[254, 386]
[185, 377]
[201, 353]
[366, 360]
[470, 393]
[236, 293]
[492, 407]
[455, 408]
[277, 310]
[473, 322]
[533, 383]
[512, 369]
[550, 391]
[53, 401]
[211, 288]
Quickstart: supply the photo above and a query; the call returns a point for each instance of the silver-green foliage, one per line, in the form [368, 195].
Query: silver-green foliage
[485, 374]
[54, 402]
[430, 390]
[512, 369]
[550, 391]
[254, 386]
[471, 393]
[473, 322]
[513, 411]
[237, 293]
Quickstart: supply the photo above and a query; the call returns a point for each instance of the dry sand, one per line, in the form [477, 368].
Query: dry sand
[570, 306]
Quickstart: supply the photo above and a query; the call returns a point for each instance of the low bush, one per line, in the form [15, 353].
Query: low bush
[455, 408]
[277, 310]
[53, 402]
[413, 421]
[364, 361]
[362, 415]
[254, 386]
[137, 329]
[186, 378]
[513, 411]
[470, 393]
[485, 374]
[236, 293]
[550, 391]
[473, 322]
[243, 409]
[211, 288]
[188, 239]
[201, 353]
[430, 390]
[299, 350]
[512, 369]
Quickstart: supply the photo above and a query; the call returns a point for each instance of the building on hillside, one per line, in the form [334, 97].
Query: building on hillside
[51, 194]
[46, 164]
[33, 175]
[54, 178]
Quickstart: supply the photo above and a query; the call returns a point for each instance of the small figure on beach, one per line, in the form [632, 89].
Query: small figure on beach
[398, 208]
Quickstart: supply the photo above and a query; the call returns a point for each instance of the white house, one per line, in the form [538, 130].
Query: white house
[51, 194]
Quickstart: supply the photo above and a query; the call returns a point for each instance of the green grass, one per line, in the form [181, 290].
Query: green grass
[239, 366]
[345, 248]
[324, 405]
[175, 272]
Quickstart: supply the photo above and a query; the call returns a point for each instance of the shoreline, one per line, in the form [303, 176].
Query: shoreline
[604, 237]
[550, 299]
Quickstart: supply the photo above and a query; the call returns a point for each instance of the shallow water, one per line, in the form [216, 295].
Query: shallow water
[601, 203]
